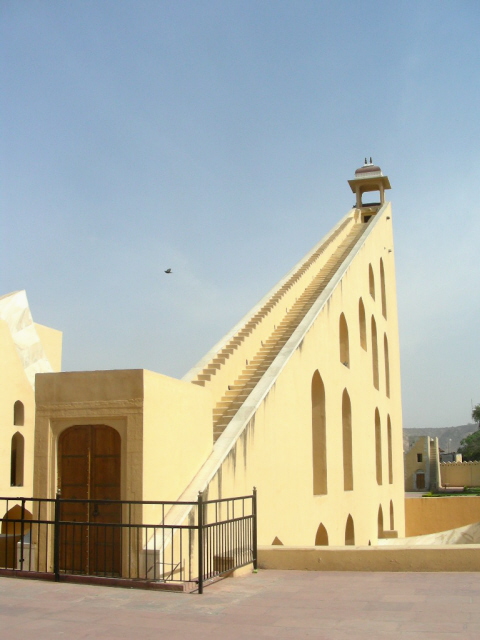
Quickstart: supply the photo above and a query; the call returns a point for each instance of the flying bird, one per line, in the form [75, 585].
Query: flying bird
[168, 271]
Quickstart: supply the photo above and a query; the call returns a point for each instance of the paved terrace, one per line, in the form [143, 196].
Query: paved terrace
[270, 604]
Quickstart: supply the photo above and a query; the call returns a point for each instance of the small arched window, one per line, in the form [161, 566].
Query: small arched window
[362, 324]
[378, 447]
[371, 281]
[349, 531]
[18, 414]
[321, 539]
[347, 442]
[344, 344]
[383, 291]
[375, 354]
[17, 460]
[392, 517]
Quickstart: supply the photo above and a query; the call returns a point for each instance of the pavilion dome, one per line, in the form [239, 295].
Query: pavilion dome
[369, 170]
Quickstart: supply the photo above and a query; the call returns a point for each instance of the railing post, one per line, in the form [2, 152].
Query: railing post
[22, 533]
[254, 525]
[200, 541]
[56, 538]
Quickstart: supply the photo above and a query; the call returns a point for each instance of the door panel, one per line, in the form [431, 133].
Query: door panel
[89, 469]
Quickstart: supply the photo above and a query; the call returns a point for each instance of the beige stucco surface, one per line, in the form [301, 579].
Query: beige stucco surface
[51, 340]
[430, 515]
[177, 437]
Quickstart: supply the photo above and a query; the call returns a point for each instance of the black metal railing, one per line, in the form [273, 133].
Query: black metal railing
[111, 538]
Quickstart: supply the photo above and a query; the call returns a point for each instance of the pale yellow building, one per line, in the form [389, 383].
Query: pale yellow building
[26, 348]
[422, 465]
[300, 399]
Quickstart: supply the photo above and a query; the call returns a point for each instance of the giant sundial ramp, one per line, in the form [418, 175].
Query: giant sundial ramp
[306, 389]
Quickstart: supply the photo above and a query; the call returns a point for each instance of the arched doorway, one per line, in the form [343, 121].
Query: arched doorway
[89, 466]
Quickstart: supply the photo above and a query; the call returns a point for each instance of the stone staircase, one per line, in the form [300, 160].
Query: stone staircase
[255, 368]
[228, 350]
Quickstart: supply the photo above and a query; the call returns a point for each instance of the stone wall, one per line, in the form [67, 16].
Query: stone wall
[424, 558]
[460, 474]
[430, 515]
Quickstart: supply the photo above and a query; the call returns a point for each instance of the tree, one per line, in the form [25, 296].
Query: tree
[470, 447]
[476, 414]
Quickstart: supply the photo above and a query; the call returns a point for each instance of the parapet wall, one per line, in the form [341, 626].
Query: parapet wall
[430, 515]
[460, 474]
[438, 558]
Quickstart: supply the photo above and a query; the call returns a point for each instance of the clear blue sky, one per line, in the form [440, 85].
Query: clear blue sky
[216, 138]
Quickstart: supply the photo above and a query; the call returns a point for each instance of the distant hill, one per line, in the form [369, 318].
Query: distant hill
[448, 437]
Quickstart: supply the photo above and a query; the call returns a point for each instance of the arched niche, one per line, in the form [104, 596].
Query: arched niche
[319, 436]
[343, 340]
[17, 460]
[347, 442]
[380, 529]
[390, 450]
[378, 447]
[383, 290]
[387, 365]
[362, 323]
[392, 516]
[321, 538]
[18, 414]
[374, 354]
[349, 532]
[14, 528]
[371, 281]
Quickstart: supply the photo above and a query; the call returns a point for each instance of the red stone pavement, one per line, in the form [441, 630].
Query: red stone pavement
[269, 604]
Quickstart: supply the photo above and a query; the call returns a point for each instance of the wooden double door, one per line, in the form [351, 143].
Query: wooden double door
[89, 468]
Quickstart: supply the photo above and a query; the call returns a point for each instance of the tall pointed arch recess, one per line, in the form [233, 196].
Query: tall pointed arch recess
[378, 447]
[371, 281]
[347, 442]
[17, 458]
[383, 290]
[375, 354]
[349, 531]
[387, 365]
[390, 451]
[319, 436]
[344, 343]
[380, 527]
[362, 323]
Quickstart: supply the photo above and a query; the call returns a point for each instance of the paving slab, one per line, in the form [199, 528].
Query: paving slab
[268, 604]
